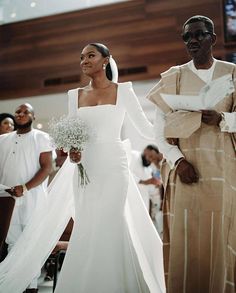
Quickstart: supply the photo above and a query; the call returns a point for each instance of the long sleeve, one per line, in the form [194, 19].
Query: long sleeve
[72, 102]
[229, 123]
[135, 112]
[170, 152]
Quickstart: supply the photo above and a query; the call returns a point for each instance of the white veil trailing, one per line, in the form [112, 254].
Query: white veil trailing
[48, 223]
[40, 236]
[114, 69]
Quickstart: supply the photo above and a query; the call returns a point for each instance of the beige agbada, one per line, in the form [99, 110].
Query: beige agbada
[199, 219]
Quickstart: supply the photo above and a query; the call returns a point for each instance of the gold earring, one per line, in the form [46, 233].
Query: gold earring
[104, 66]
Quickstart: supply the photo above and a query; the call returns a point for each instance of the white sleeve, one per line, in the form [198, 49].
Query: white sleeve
[170, 152]
[229, 122]
[136, 113]
[72, 102]
[43, 142]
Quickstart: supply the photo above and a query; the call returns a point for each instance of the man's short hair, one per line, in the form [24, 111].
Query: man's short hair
[152, 147]
[206, 20]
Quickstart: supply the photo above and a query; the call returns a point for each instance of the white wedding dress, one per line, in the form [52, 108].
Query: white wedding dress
[114, 247]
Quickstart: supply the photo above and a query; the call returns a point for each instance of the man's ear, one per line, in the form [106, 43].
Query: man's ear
[214, 39]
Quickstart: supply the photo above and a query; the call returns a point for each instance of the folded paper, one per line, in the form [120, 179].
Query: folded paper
[210, 95]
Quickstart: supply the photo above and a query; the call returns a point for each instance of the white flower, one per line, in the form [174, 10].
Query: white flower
[69, 132]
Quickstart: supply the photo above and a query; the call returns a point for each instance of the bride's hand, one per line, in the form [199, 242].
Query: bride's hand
[75, 155]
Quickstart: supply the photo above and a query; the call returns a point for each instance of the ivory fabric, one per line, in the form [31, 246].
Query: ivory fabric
[107, 251]
[114, 247]
[199, 219]
[176, 121]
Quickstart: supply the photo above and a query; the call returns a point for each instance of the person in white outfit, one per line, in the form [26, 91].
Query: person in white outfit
[25, 164]
[142, 171]
[114, 247]
[153, 155]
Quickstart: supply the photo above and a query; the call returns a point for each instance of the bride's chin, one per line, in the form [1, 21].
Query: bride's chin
[87, 73]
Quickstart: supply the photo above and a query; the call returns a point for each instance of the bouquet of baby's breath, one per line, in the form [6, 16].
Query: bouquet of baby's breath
[70, 133]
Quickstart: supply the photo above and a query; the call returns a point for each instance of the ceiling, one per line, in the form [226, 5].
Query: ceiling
[18, 10]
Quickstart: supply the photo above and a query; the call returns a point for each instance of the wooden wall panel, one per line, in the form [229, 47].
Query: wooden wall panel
[42, 56]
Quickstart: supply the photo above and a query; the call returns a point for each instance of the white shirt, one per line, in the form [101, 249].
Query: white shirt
[205, 74]
[19, 162]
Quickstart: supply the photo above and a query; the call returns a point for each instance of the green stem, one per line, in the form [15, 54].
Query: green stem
[84, 179]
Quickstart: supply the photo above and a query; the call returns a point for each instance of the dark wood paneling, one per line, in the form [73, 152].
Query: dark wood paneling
[140, 33]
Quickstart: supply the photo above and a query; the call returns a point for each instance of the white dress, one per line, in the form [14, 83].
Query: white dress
[114, 247]
[101, 251]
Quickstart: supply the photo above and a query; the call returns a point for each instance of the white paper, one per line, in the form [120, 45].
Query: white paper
[210, 95]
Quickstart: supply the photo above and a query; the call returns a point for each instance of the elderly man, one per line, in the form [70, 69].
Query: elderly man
[200, 171]
[25, 164]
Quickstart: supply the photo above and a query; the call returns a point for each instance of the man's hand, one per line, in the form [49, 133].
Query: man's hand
[211, 117]
[151, 181]
[173, 141]
[16, 191]
[186, 172]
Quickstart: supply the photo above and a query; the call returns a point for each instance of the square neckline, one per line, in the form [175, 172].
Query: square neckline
[112, 105]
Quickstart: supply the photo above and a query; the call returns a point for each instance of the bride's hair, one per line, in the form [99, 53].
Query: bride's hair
[105, 53]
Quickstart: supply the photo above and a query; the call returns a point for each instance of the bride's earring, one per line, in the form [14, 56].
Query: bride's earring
[104, 66]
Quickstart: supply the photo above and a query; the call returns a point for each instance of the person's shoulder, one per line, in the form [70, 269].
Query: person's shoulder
[6, 139]
[125, 84]
[225, 64]
[171, 70]
[39, 133]
[42, 140]
[72, 90]
[76, 90]
[174, 69]
[7, 135]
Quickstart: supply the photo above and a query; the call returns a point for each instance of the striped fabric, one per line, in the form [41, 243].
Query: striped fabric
[199, 219]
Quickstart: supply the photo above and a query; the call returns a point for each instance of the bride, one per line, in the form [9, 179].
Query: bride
[114, 247]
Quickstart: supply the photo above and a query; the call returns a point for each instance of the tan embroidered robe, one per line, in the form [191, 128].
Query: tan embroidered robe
[199, 219]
